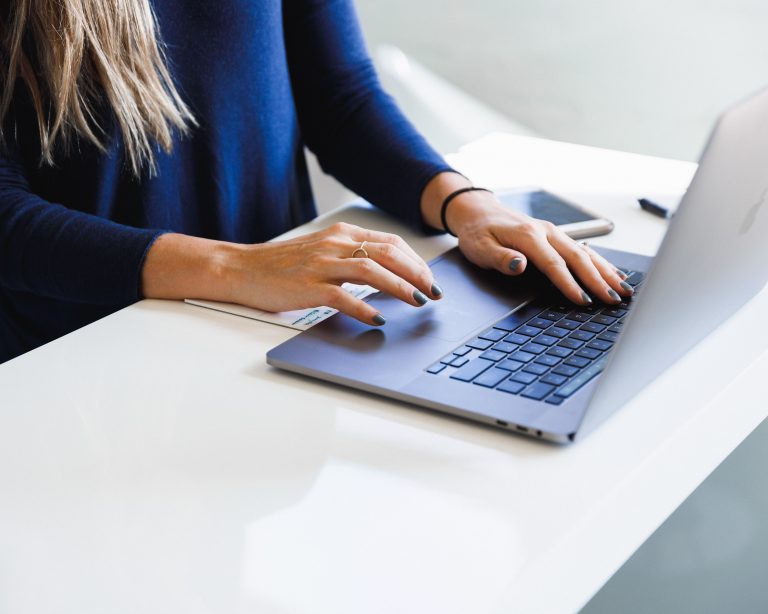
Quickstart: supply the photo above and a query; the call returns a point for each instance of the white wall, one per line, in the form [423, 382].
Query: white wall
[644, 76]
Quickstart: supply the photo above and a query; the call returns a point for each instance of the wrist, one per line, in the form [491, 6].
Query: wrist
[435, 193]
[469, 209]
[223, 270]
[179, 266]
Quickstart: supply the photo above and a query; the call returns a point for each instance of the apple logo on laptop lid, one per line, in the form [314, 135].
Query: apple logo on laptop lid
[751, 216]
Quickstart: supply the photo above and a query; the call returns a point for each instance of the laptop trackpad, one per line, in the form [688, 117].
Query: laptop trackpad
[472, 297]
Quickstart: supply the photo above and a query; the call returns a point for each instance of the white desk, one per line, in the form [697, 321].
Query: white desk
[153, 463]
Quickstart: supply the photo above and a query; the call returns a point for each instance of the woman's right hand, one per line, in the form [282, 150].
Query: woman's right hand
[299, 273]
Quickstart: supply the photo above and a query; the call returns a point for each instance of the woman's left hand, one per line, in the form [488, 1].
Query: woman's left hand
[495, 237]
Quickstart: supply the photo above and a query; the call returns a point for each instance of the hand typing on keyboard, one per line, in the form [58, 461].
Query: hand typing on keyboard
[494, 237]
[542, 351]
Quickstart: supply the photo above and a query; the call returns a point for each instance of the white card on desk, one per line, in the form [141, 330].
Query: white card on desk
[300, 319]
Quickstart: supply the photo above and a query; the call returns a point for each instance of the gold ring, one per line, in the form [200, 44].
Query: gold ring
[361, 249]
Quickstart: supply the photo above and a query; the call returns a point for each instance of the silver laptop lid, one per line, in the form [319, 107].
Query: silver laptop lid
[714, 258]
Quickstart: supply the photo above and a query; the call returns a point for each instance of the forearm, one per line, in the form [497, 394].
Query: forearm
[179, 266]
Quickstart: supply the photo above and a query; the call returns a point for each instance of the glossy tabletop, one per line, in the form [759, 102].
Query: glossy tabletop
[152, 462]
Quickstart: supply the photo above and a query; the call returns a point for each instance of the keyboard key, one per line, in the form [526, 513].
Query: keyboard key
[524, 378]
[534, 348]
[592, 327]
[608, 336]
[539, 323]
[571, 344]
[537, 391]
[555, 400]
[577, 361]
[446, 360]
[546, 340]
[510, 365]
[493, 355]
[472, 369]
[635, 277]
[491, 378]
[436, 368]
[613, 312]
[603, 319]
[511, 387]
[528, 331]
[554, 380]
[521, 356]
[459, 361]
[569, 324]
[579, 317]
[588, 353]
[503, 346]
[559, 351]
[556, 331]
[548, 360]
[516, 339]
[581, 335]
[522, 315]
[582, 378]
[493, 334]
[598, 344]
[536, 369]
[463, 351]
[480, 344]
[564, 370]
[551, 315]
[616, 328]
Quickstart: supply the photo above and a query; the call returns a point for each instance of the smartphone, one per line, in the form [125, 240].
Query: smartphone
[576, 221]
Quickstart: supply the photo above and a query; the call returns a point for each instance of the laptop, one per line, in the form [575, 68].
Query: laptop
[513, 353]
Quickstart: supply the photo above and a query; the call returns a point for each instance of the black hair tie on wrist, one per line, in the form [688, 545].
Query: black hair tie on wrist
[448, 200]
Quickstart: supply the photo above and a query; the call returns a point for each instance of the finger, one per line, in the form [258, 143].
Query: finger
[492, 255]
[610, 273]
[551, 263]
[368, 271]
[335, 248]
[338, 298]
[386, 238]
[376, 236]
[396, 260]
[579, 261]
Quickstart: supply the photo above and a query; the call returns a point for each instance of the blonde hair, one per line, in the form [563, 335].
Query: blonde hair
[82, 53]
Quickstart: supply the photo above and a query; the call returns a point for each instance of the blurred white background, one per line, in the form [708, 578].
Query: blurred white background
[648, 77]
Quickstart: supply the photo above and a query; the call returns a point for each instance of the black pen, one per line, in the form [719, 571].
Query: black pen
[653, 208]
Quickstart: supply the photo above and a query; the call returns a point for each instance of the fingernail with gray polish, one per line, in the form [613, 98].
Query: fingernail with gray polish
[436, 290]
[614, 295]
[379, 320]
[621, 273]
[586, 299]
[515, 265]
[627, 287]
[420, 297]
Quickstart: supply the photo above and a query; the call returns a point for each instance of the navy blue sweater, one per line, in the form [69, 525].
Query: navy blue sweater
[263, 78]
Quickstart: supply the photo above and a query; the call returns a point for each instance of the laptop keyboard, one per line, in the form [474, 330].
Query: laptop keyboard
[542, 351]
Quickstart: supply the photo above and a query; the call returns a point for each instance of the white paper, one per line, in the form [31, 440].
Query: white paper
[301, 319]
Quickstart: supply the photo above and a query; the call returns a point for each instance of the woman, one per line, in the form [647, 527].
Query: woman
[151, 148]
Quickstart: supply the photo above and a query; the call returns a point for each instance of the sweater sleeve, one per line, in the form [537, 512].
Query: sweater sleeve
[355, 128]
[50, 250]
